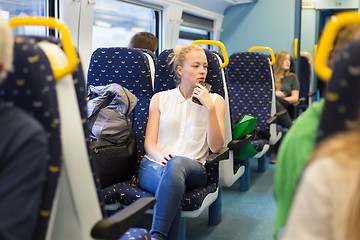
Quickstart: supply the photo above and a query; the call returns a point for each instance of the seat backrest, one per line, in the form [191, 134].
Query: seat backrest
[341, 109]
[165, 77]
[78, 191]
[304, 78]
[250, 85]
[31, 86]
[130, 68]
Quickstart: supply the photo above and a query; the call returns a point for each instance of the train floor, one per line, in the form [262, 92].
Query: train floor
[245, 215]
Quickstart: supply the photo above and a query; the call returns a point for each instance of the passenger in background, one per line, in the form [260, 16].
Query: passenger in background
[287, 87]
[23, 152]
[327, 202]
[144, 40]
[290, 163]
[179, 134]
[287, 93]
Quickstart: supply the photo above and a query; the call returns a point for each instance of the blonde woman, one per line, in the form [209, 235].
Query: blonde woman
[178, 137]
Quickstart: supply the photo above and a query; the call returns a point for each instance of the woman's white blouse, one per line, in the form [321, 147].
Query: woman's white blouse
[183, 126]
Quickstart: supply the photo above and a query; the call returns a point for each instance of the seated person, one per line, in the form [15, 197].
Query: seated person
[144, 40]
[327, 202]
[23, 158]
[287, 87]
[179, 134]
[290, 163]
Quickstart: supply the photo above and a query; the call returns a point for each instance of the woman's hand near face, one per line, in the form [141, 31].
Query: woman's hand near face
[201, 93]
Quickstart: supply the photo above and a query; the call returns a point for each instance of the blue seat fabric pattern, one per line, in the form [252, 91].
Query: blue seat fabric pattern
[250, 89]
[166, 77]
[31, 86]
[136, 233]
[341, 109]
[304, 81]
[141, 87]
[129, 68]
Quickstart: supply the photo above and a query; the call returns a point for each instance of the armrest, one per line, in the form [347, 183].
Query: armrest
[302, 100]
[276, 116]
[312, 93]
[223, 154]
[116, 225]
[237, 145]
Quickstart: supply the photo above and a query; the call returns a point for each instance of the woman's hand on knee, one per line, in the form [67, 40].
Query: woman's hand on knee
[165, 158]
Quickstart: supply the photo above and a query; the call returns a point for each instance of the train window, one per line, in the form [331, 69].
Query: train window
[195, 28]
[23, 8]
[115, 22]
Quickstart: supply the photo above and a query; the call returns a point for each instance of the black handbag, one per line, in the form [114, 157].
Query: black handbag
[116, 163]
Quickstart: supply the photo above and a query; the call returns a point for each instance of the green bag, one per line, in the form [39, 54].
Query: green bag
[245, 126]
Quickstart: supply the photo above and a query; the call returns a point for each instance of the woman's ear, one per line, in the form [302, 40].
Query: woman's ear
[179, 69]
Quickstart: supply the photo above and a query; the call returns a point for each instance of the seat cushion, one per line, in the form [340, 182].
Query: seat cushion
[136, 234]
[125, 193]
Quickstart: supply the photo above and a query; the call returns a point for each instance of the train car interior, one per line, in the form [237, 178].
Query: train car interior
[253, 89]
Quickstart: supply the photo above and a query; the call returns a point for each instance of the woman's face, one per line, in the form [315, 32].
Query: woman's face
[194, 67]
[286, 64]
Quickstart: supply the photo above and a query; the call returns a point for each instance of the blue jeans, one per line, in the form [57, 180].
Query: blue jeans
[169, 185]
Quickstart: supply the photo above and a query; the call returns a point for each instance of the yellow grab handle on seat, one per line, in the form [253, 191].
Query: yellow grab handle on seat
[217, 43]
[307, 54]
[296, 40]
[69, 49]
[265, 49]
[336, 22]
[315, 50]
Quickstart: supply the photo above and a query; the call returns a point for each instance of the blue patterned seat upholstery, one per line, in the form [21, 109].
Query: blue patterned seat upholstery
[78, 81]
[31, 86]
[165, 79]
[250, 90]
[128, 67]
[139, 83]
[342, 106]
[304, 81]
[229, 170]
[251, 84]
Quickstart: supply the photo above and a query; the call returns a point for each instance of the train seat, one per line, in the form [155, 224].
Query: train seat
[251, 84]
[342, 98]
[165, 79]
[125, 193]
[31, 86]
[305, 93]
[230, 171]
[130, 68]
[339, 113]
[66, 194]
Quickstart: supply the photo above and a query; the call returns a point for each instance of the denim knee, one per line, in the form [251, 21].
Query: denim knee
[149, 175]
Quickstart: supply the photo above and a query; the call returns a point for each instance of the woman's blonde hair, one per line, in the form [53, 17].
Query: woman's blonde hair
[178, 57]
[280, 57]
[6, 48]
[344, 147]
